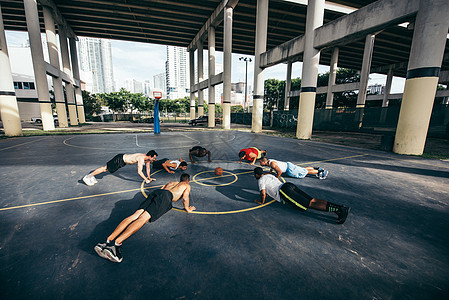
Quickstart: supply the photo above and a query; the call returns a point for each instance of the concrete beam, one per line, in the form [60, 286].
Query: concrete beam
[59, 19]
[216, 79]
[214, 20]
[354, 26]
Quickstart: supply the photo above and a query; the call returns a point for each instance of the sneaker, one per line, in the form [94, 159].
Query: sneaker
[88, 180]
[343, 214]
[323, 175]
[99, 249]
[113, 253]
[94, 180]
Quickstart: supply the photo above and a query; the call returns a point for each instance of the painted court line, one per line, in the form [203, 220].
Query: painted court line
[137, 189]
[21, 144]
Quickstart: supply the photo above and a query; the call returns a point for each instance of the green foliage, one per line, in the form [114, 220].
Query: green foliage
[91, 104]
[275, 91]
[237, 109]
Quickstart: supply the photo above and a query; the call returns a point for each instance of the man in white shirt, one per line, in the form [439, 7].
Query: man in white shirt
[170, 165]
[288, 192]
[292, 170]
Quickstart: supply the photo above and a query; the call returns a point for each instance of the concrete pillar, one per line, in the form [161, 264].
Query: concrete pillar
[311, 58]
[383, 113]
[426, 55]
[259, 79]
[76, 76]
[192, 82]
[67, 69]
[37, 55]
[227, 60]
[288, 86]
[9, 110]
[54, 61]
[200, 78]
[211, 88]
[366, 66]
[332, 77]
[364, 77]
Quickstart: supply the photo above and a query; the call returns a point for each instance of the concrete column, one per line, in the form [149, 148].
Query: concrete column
[192, 82]
[288, 86]
[364, 77]
[211, 88]
[332, 77]
[76, 76]
[9, 110]
[67, 69]
[200, 78]
[366, 66]
[54, 61]
[311, 58]
[37, 55]
[383, 113]
[426, 55]
[227, 60]
[259, 79]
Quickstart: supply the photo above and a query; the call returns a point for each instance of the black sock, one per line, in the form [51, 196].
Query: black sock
[331, 207]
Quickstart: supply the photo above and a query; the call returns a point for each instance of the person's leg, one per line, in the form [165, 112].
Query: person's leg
[323, 205]
[99, 170]
[296, 171]
[311, 171]
[133, 227]
[125, 223]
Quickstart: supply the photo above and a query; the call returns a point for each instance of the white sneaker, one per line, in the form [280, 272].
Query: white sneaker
[93, 179]
[87, 180]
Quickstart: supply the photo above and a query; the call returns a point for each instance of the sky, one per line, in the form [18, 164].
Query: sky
[142, 61]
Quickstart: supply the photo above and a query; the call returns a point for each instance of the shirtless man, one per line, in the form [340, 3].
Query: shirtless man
[198, 151]
[152, 208]
[292, 170]
[121, 160]
[170, 165]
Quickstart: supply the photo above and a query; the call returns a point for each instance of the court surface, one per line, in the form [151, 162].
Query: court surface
[394, 243]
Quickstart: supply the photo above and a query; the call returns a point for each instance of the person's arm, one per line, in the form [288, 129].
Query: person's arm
[263, 195]
[186, 200]
[252, 158]
[148, 165]
[165, 165]
[139, 170]
[276, 168]
[208, 153]
[191, 157]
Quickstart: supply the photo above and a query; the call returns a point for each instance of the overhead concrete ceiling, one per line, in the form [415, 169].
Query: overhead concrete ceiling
[176, 22]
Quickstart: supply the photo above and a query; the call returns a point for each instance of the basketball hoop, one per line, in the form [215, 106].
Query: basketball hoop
[157, 95]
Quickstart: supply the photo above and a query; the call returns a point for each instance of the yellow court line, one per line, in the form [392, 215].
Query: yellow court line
[141, 188]
[21, 144]
[68, 199]
[225, 212]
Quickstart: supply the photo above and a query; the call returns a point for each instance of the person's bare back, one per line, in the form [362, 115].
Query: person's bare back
[132, 159]
[177, 189]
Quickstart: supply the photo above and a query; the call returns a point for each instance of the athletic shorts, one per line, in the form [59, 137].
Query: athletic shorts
[115, 163]
[296, 171]
[294, 196]
[157, 203]
[158, 163]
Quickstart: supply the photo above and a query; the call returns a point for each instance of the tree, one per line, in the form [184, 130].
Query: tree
[274, 91]
[91, 104]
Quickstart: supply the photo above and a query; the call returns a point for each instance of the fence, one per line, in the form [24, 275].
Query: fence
[370, 119]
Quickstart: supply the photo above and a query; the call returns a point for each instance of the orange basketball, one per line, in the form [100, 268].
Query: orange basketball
[218, 171]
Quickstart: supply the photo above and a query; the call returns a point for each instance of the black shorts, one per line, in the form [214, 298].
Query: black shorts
[115, 163]
[157, 203]
[294, 196]
[158, 163]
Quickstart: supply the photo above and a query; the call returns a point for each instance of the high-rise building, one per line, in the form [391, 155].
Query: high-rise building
[160, 81]
[177, 85]
[95, 57]
[134, 86]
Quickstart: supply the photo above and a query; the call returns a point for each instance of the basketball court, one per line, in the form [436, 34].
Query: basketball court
[393, 244]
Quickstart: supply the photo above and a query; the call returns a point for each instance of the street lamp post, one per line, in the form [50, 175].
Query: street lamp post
[246, 59]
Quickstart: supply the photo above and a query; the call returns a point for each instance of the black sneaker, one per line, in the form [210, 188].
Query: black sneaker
[343, 214]
[113, 253]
